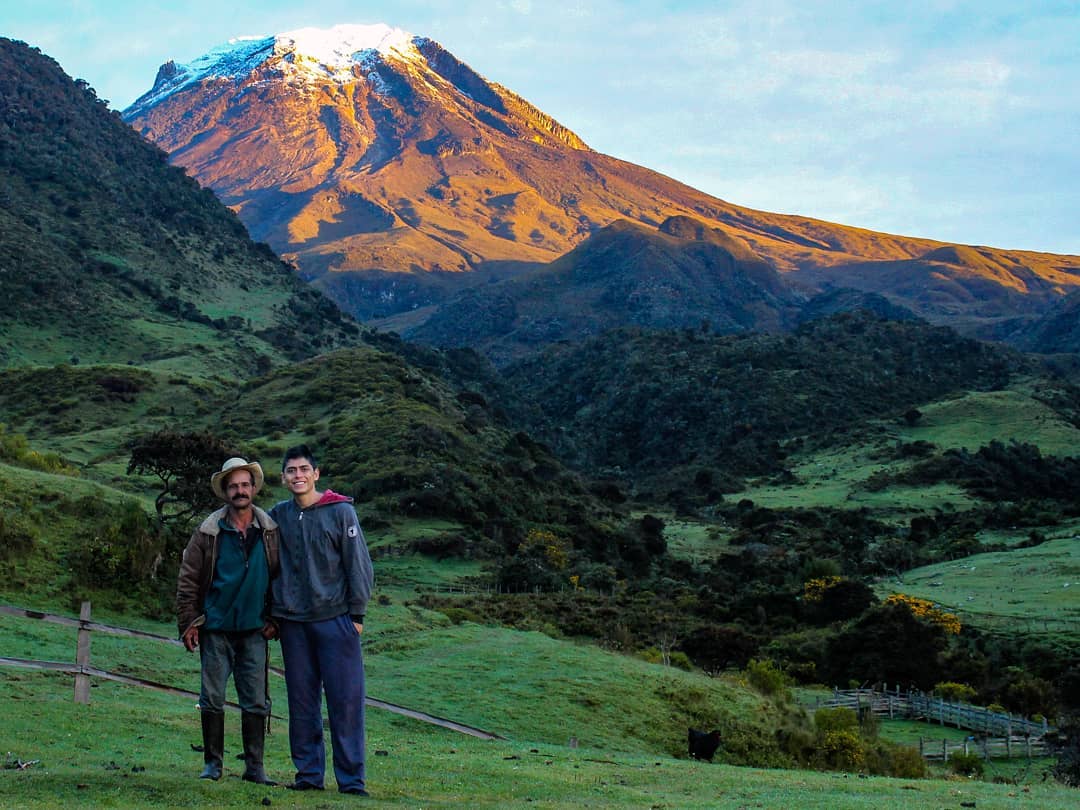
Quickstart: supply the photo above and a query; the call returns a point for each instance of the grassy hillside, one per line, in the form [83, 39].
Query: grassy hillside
[133, 750]
[1035, 589]
[109, 254]
[132, 747]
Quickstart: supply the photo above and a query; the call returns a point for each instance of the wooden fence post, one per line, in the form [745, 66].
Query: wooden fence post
[82, 656]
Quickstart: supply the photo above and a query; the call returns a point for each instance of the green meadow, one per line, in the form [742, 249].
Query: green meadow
[582, 728]
[1034, 590]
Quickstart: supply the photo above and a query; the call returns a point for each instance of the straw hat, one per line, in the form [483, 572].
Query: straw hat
[232, 465]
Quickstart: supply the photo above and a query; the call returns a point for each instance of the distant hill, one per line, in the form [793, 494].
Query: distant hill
[665, 410]
[1058, 331]
[389, 171]
[108, 254]
[682, 275]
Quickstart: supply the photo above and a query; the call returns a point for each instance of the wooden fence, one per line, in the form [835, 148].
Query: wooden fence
[987, 748]
[83, 671]
[1000, 734]
[920, 706]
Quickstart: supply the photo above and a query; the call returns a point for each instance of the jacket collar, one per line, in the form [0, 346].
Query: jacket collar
[211, 525]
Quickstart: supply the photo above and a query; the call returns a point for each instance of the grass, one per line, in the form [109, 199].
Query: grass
[835, 477]
[977, 418]
[1035, 589]
[132, 748]
[692, 540]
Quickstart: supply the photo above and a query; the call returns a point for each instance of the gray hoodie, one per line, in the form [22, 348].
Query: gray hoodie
[325, 566]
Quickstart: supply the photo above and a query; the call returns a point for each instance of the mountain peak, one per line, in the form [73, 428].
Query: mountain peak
[306, 54]
[333, 51]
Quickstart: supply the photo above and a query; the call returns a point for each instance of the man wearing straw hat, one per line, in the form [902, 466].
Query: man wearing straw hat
[222, 608]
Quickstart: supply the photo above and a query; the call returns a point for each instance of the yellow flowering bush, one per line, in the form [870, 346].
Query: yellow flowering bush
[556, 549]
[814, 590]
[926, 610]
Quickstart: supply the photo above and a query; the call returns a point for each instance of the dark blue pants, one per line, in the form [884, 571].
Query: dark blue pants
[317, 656]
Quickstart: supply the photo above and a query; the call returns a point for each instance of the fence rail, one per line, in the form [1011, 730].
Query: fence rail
[1000, 734]
[987, 748]
[920, 706]
[83, 671]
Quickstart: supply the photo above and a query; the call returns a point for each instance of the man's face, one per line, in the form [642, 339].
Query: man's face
[299, 476]
[240, 489]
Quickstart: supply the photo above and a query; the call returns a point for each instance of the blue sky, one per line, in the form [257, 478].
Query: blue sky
[946, 119]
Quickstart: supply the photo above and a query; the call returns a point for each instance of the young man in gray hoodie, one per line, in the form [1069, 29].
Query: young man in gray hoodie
[319, 601]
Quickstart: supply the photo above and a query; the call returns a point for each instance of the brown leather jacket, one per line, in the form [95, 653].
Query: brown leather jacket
[197, 566]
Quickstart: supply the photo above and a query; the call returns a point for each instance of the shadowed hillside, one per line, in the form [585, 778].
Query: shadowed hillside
[677, 407]
[682, 275]
[108, 254]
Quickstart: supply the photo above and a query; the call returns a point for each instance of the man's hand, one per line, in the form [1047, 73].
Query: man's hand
[269, 630]
[359, 627]
[191, 638]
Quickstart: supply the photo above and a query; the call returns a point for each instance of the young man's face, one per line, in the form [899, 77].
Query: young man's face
[240, 489]
[299, 477]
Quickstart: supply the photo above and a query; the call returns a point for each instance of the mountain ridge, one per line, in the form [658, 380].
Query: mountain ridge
[420, 165]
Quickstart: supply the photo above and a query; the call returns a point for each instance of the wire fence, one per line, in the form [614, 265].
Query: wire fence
[83, 671]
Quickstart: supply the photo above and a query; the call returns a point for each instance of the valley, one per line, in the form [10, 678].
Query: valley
[656, 467]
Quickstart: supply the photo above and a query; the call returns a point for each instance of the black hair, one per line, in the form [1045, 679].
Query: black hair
[299, 451]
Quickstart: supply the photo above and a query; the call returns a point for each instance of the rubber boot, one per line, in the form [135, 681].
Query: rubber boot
[253, 728]
[213, 737]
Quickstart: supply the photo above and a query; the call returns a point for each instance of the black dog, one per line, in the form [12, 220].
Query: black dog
[702, 744]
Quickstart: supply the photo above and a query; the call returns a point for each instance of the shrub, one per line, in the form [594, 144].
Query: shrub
[765, 676]
[925, 610]
[17, 534]
[842, 749]
[14, 448]
[677, 659]
[905, 762]
[459, 615]
[120, 549]
[839, 718]
[956, 692]
[966, 764]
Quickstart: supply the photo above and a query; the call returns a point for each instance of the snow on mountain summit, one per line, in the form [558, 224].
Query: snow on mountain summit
[304, 54]
[338, 48]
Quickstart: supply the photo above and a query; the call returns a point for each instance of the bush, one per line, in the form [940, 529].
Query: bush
[17, 534]
[843, 750]
[118, 550]
[839, 718]
[459, 615]
[967, 764]
[766, 677]
[905, 762]
[955, 692]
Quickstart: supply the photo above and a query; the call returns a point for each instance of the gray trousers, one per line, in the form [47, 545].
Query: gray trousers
[241, 654]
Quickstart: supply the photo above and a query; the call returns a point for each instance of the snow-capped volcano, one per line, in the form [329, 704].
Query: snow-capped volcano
[369, 156]
[306, 54]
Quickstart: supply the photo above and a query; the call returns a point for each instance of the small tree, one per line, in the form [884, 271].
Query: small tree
[183, 462]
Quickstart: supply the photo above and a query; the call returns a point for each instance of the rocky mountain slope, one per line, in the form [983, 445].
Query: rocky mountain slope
[389, 171]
